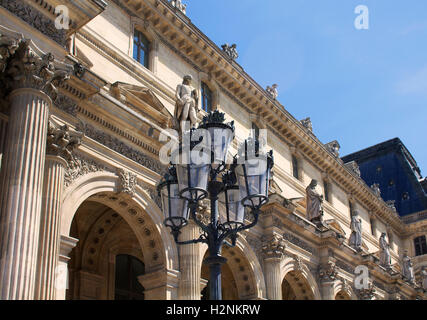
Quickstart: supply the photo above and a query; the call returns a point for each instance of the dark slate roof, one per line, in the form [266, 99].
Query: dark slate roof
[391, 165]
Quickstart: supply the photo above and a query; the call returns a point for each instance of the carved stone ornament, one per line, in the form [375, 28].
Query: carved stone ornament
[327, 272]
[298, 264]
[127, 182]
[353, 167]
[61, 142]
[36, 19]
[307, 124]
[366, 294]
[26, 66]
[230, 51]
[80, 166]
[334, 148]
[273, 247]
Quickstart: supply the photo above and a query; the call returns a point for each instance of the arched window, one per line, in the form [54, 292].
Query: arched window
[141, 47]
[127, 286]
[206, 97]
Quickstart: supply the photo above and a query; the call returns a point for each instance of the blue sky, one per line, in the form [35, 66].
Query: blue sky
[360, 87]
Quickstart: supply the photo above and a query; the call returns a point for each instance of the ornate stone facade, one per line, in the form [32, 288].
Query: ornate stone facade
[86, 128]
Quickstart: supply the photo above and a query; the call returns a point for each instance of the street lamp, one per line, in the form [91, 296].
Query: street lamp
[194, 176]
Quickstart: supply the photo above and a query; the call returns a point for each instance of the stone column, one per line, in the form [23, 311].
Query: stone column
[60, 145]
[3, 133]
[30, 76]
[189, 257]
[66, 244]
[273, 252]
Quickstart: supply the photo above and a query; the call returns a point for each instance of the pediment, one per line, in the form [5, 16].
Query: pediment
[142, 99]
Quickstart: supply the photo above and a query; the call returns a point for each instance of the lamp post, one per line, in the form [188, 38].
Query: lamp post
[199, 171]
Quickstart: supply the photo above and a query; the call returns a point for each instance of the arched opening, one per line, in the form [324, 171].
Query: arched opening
[237, 276]
[342, 295]
[109, 260]
[296, 287]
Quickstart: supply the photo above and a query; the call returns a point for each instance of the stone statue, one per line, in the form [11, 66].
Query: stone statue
[307, 124]
[314, 203]
[179, 5]
[187, 102]
[272, 91]
[408, 269]
[376, 189]
[385, 258]
[356, 231]
[230, 51]
[424, 278]
[334, 148]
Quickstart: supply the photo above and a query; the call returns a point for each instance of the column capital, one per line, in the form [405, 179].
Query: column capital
[61, 142]
[24, 65]
[327, 272]
[273, 247]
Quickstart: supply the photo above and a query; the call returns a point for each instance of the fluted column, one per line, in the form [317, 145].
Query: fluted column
[60, 145]
[189, 255]
[3, 132]
[29, 77]
[273, 252]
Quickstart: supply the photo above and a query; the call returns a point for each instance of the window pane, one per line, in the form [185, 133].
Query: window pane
[206, 98]
[141, 48]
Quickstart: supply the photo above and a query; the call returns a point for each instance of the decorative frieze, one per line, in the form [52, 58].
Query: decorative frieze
[35, 19]
[298, 242]
[66, 104]
[127, 182]
[118, 146]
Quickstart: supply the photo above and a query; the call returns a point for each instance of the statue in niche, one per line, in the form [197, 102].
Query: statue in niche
[408, 268]
[187, 101]
[272, 91]
[356, 231]
[385, 257]
[314, 203]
